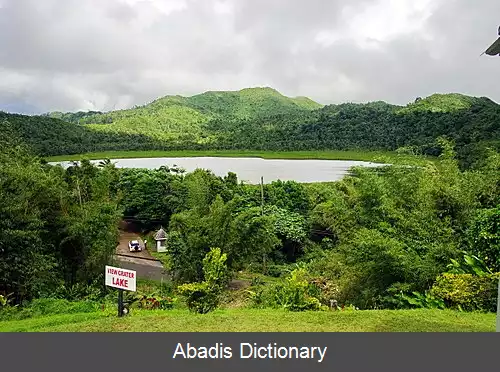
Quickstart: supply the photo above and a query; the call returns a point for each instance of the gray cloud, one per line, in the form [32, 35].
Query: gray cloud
[93, 54]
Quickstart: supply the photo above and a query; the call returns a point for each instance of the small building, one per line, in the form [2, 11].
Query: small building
[161, 240]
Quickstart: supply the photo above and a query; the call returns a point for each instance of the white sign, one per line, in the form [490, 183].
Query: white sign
[120, 278]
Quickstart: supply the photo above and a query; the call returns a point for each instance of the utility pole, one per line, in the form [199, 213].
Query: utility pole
[262, 194]
[262, 212]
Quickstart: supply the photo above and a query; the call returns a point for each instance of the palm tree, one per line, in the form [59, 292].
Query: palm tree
[105, 163]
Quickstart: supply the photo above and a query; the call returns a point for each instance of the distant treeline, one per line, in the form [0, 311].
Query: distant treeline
[265, 120]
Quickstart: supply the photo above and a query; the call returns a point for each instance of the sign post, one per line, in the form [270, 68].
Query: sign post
[123, 280]
[120, 302]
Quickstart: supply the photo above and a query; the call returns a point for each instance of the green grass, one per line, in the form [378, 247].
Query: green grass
[385, 156]
[247, 320]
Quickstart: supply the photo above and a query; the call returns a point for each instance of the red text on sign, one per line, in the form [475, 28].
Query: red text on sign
[120, 282]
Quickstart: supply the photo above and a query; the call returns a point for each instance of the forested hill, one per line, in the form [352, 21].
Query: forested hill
[264, 119]
[244, 104]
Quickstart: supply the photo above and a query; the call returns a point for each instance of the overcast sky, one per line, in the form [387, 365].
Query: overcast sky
[109, 54]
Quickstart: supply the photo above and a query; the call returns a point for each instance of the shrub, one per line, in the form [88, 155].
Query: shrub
[327, 290]
[205, 296]
[200, 297]
[153, 302]
[215, 269]
[424, 300]
[467, 292]
[277, 271]
[295, 293]
[80, 291]
[484, 237]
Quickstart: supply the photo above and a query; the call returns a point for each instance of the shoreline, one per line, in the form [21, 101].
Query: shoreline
[369, 156]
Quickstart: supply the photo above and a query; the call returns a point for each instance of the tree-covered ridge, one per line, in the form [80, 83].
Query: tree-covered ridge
[180, 119]
[263, 119]
[243, 104]
[441, 103]
[49, 136]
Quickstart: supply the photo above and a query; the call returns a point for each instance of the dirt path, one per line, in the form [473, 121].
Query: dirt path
[142, 262]
[122, 248]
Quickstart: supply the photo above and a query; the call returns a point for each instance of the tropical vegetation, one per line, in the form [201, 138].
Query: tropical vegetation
[416, 234]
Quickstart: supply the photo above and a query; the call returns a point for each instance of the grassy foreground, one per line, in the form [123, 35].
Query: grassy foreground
[248, 320]
[326, 155]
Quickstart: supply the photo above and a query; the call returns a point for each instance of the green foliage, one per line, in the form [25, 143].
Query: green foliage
[466, 291]
[150, 197]
[263, 119]
[58, 228]
[155, 302]
[469, 264]
[484, 237]
[200, 297]
[5, 300]
[290, 227]
[94, 291]
[367, 240]
[289, 195]
[440, 103]
[48, 306]
[215, 269]
[423, 300]
[204, 297]
[294, 293]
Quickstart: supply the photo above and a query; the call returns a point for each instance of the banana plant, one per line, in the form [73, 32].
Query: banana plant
[470, 264]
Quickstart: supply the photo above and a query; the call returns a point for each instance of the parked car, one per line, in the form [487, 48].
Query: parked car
[134, 246]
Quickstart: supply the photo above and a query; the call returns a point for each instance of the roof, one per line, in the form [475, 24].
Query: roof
[134, 242]
[160, 235]
[494, 49]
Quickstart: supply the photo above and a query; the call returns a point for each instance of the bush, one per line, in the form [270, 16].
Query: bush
[424, 300]
[80, 291]
[484, 237]
[277, 271]
[205, 296]
[200, 297]
[467, 292]
[215, 269]
[154, 302]
[295, 293]
[327, 290]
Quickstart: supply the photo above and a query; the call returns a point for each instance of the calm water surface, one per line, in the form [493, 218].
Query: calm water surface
[251, 169]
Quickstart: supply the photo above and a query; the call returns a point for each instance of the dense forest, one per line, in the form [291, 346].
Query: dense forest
[396, 237]
[263, 119]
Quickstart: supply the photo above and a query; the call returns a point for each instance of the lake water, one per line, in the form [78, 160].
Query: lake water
[251, 170]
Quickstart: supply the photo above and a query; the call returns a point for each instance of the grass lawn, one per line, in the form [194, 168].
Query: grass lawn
[382, 156]
[249, 320]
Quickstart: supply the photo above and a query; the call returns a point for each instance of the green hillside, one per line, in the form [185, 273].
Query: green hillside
[263, 119]
[50, 136]
[441, 103]
[181, 120]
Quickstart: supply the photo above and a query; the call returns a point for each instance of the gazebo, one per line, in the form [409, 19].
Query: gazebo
[161, 240]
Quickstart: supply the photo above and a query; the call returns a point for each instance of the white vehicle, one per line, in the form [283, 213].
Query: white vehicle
[134, 246]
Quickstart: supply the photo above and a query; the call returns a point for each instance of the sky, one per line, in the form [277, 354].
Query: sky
[70, 55]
